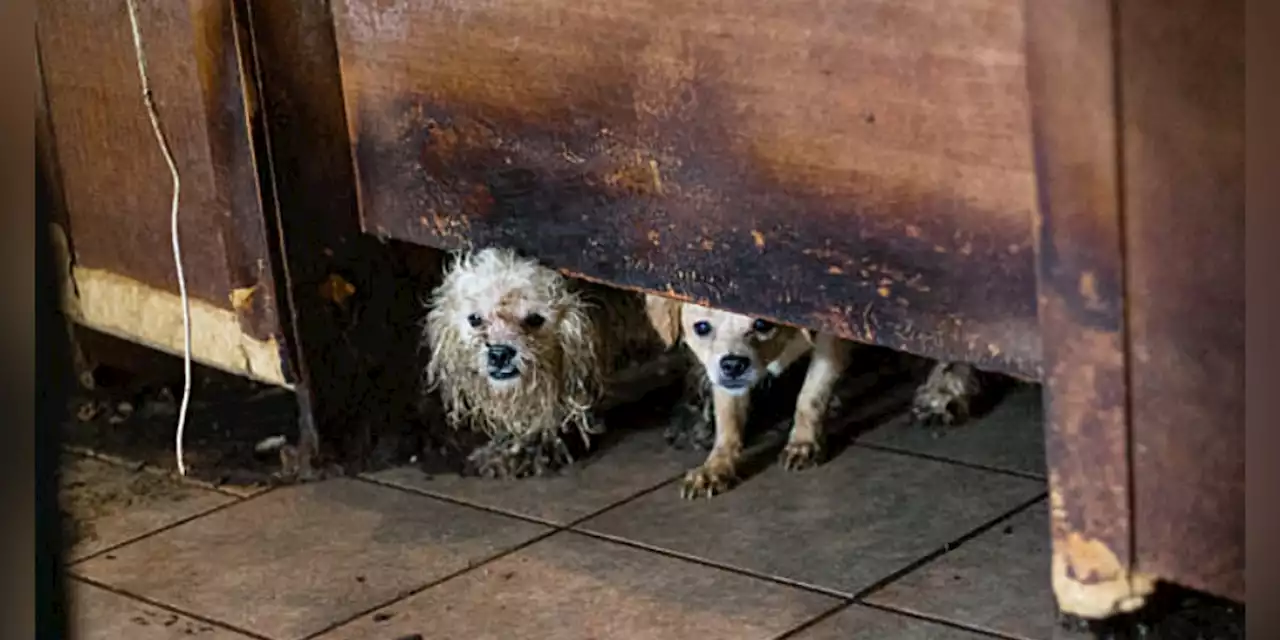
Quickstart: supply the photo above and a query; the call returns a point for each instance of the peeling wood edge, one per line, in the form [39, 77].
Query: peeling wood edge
[137, 312]
[1089, 580]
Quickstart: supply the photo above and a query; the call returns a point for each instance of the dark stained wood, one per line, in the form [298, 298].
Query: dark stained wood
[1071, 80]
[46, 154]
[1137, 111]
[115, 184]
[1182, 100]
[860, 166]
[359, 383]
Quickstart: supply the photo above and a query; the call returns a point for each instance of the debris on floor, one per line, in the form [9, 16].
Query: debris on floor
[492, 560]
[228, 421]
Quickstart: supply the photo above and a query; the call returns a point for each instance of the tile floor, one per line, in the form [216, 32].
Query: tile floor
[903, 535]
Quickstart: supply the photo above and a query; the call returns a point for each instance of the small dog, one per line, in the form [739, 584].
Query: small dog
[527, 356]
[736, 353]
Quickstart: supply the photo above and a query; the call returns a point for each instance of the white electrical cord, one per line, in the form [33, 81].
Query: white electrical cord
[149, 102]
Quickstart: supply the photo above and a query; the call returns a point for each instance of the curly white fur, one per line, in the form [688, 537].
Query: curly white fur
[582, 333]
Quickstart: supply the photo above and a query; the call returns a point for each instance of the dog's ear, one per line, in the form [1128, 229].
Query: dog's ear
[664, 315]
[577, 335]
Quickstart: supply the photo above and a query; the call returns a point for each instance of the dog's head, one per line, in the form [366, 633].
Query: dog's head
[734, 349]
[508, 323]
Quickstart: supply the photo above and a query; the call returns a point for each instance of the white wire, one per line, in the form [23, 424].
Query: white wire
[149, 102]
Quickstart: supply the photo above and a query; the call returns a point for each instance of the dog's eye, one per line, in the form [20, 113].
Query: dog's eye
[475, 320]
[702, 327]
[762, 326]
[534, 320]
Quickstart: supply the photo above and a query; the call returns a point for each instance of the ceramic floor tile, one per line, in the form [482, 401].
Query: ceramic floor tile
[573, 587]
[1010, 437]
[98, 614]
[865, 623]
[998, 581]
[636, 462]
[107, 504]
[299, 559]
[842, 526]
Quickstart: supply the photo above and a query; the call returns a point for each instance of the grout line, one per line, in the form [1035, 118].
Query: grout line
[937, 620]
[555, 529]
[404, 595]
[859, 599]
[809, 624]
[172, 525]
[559, 526]
[161, 605]
[632, 498]
[457, 502]
[827, 591]
[946, 548]
[937, 458]
[786, 582]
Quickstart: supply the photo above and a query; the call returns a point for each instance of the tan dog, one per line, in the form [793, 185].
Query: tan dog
[738, 352]
[527, 356]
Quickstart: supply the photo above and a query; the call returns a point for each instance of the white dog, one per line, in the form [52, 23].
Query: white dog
[527, 356]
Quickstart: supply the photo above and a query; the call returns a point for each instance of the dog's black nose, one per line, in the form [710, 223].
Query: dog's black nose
[734, 366]
[500, 355]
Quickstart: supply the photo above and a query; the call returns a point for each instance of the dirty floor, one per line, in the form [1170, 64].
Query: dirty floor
[905, 534]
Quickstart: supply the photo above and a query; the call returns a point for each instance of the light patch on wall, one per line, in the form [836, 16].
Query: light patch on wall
[134, 311]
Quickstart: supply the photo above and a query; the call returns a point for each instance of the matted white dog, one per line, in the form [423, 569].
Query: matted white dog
[527, 356]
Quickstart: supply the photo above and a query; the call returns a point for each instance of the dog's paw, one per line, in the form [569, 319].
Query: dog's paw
[519, 458]
[943, 400]
[931, 411]
[499, 461]
[707, 481]
[801, 455]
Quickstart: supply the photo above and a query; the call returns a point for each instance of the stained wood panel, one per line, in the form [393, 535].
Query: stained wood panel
[860, 166]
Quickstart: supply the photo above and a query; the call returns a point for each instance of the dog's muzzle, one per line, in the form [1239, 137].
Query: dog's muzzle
[501, 359]
[735, 372]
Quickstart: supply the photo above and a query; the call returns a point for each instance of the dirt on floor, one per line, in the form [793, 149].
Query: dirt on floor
[232, 436]
[85, 495]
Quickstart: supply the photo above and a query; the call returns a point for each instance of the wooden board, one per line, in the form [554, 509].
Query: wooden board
[116, 187]
[859, 166]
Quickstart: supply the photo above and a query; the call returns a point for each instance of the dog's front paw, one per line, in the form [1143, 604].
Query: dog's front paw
[499, 460]
[707, 481]
[801, 454]
[520, 458]
[935, 409]
[943, 399]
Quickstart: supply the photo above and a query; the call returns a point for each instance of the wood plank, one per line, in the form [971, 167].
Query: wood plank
[114, 179]
[1182, 100]
[116, 190]
[860, 166]
[1071, 79]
